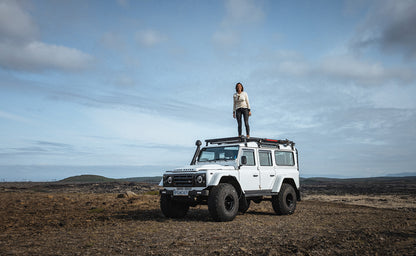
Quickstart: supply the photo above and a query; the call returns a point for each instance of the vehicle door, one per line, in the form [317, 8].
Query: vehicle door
[267, 171]
[285, 162]
[249, 174]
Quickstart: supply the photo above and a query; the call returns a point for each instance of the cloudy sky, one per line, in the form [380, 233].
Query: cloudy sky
[124, 88]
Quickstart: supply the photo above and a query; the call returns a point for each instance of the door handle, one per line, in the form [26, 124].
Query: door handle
[271, 175]
[255, 175]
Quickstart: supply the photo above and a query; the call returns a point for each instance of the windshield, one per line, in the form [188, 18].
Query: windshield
[218, 153]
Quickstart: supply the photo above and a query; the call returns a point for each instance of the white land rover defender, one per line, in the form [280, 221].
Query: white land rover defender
[228, 173]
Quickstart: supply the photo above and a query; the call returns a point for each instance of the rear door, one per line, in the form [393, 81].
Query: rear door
[267, 171]
[249, 173]
[286, 164]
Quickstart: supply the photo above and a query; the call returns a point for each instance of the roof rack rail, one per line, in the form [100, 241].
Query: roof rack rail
[225, 140]
[260, 141]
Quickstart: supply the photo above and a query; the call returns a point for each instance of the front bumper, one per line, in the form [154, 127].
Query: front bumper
[190, 194]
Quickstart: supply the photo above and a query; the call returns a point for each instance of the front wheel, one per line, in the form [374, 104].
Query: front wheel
[171, 208]
[285, 202]
[223, 202]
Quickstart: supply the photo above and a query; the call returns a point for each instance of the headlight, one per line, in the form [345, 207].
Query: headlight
[167, 180]
[200, 180]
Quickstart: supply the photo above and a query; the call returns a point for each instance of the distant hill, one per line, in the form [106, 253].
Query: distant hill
[153, 180]
[383, 179]
[403, 174]
[87, 178]
[304, 181]
[98, 178]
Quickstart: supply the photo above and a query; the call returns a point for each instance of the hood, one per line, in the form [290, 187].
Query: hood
[196, 168]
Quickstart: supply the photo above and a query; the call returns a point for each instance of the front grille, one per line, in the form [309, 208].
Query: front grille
[184, 170]
[183, 180]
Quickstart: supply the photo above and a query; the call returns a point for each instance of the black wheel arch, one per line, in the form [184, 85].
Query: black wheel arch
[233, 181]
[293, 184]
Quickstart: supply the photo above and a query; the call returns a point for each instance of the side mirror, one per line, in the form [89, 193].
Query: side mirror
[243, 160]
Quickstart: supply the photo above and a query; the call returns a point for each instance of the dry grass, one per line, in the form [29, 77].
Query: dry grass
[377, 201]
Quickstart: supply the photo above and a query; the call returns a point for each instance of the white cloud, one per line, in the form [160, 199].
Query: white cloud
[349, 68]
[153, 135]
[226, 39]
[16, 118]
[15, 23]
[242, 12]
[20, 50]
[297, 68]
[394, 97]
[238, 15]
[123, 3]
[38, 56]
[390, 25]
[112, 40]
[124, 80]
[150, 37]
[346, 68]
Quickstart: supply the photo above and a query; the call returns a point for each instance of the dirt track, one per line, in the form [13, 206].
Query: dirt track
[55, 222]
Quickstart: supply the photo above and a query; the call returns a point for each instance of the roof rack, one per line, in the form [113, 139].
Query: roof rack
[260, 141]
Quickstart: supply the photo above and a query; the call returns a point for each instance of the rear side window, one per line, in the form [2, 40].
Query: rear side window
[284, 158]
[250, 157]
[265, 158]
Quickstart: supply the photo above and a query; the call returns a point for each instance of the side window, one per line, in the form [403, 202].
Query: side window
[284, 158]
[265, 158]
[250, 157]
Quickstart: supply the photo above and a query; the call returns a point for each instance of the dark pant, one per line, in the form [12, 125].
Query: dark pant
[238, 113]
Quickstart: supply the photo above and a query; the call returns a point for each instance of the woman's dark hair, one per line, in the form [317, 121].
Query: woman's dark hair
[242, 87]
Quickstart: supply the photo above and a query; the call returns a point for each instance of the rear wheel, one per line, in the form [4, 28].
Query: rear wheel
[285, 202]
[223, 202]
[171, 208]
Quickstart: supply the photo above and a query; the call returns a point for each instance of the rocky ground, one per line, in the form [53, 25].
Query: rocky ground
[106, 219]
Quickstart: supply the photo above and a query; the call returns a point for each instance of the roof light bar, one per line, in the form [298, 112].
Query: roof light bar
[271, 140]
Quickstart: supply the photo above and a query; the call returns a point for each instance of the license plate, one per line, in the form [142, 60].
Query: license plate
[180, 192]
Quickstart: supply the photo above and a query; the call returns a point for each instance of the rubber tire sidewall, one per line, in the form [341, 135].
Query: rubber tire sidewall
[216, 202]
[279, 202]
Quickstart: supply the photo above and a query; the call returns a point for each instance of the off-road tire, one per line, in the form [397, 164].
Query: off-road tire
[223, 202]
[285, 202]
[171, 208]
[244, 204]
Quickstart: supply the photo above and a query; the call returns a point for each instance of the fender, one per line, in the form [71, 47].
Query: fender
[277, 184]
[279, 181]
[216, 178]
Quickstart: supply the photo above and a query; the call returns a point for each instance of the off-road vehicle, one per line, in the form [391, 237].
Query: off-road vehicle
[228, 173]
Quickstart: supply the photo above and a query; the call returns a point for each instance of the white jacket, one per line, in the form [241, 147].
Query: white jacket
[240, 101]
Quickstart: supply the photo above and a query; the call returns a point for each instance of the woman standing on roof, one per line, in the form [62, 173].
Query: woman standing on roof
[241, 107]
